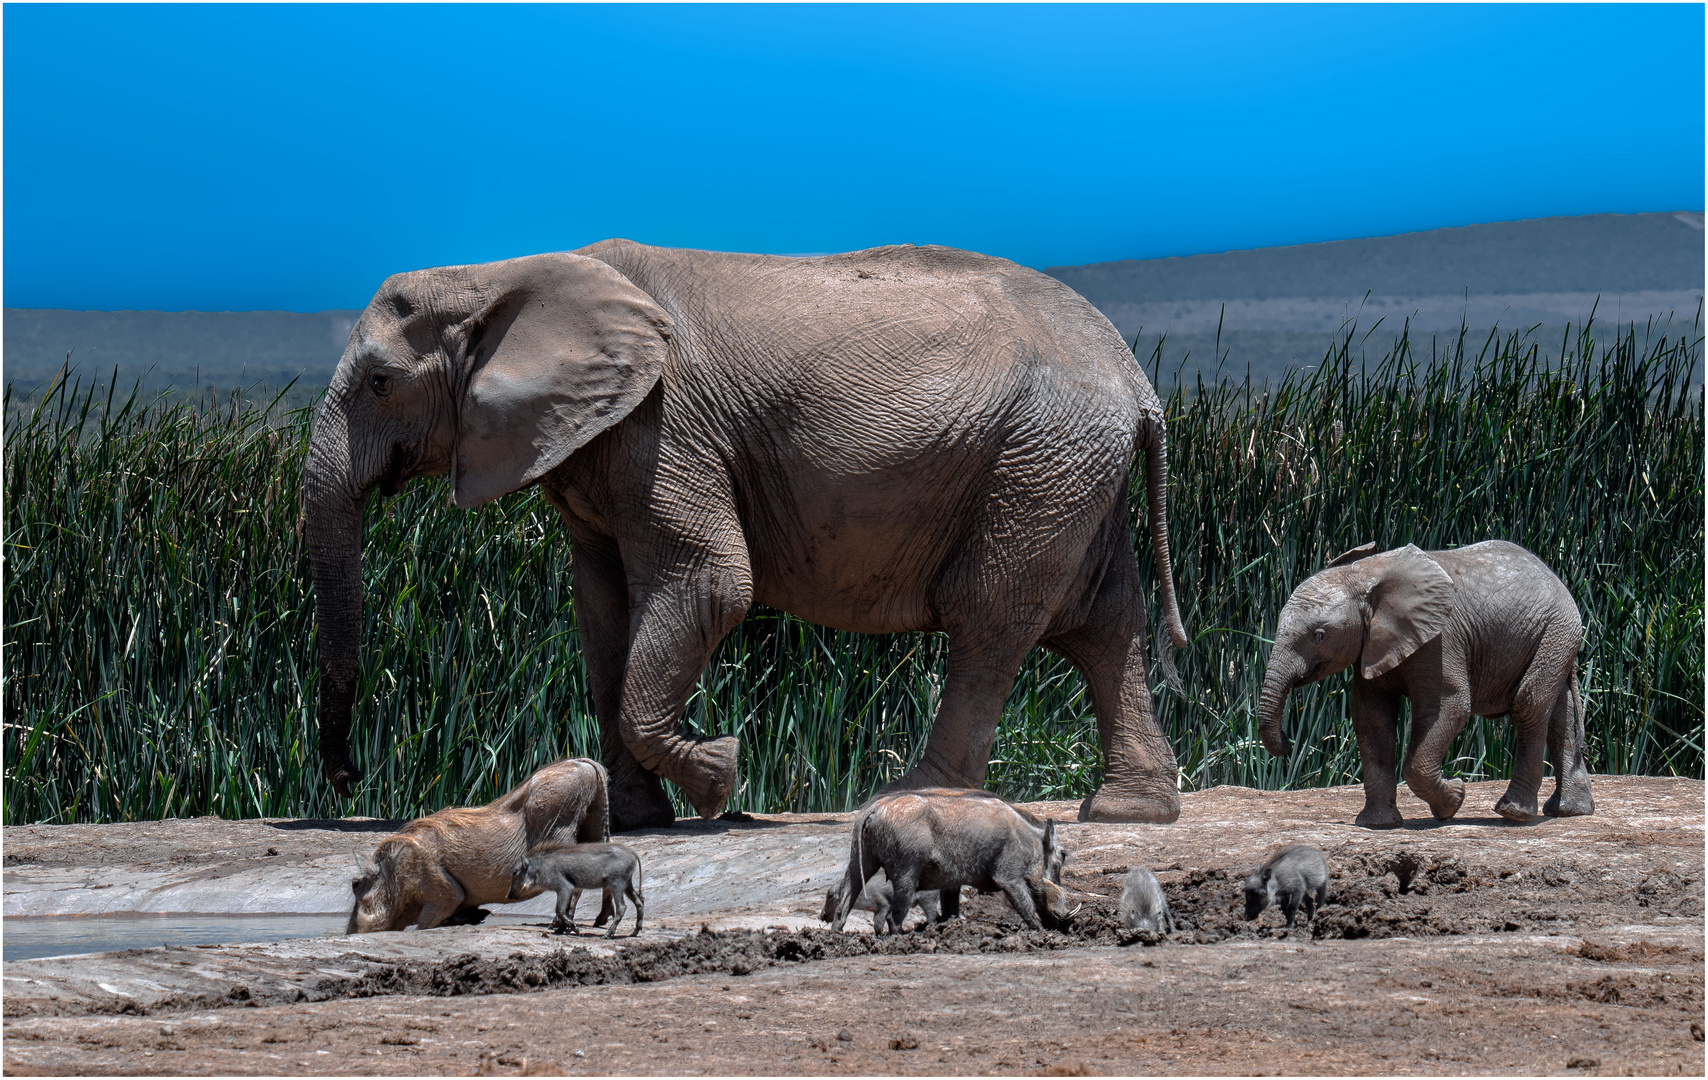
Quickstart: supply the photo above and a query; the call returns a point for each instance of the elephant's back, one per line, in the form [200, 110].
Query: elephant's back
[924, 311]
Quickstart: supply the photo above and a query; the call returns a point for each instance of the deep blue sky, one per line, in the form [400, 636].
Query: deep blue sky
[290, 157]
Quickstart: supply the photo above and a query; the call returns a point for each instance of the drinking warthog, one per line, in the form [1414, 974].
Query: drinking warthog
[441, 868]
[942, 838]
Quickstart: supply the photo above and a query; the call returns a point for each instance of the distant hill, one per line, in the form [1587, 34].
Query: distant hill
[226, 349]
[1279, 307]
[1276, 307]
[1606, 253]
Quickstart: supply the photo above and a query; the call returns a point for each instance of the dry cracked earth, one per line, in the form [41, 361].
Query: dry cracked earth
[1475, 946]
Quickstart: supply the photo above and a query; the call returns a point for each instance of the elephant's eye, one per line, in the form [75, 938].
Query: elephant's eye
[381, 383]
[1317, 637]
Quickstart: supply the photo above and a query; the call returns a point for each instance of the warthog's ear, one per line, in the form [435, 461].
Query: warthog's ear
[1049, 835]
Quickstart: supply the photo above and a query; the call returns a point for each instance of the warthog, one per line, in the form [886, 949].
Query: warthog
[567, 869]
[440, 869]
[1143, 906]
[942, 838]
[1292, 876]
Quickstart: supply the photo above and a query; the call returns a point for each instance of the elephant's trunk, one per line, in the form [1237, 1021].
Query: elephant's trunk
[1280, 678]
[332, 530]
[1156, 485]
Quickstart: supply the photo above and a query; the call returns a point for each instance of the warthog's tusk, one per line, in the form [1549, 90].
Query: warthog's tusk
[1075, 910]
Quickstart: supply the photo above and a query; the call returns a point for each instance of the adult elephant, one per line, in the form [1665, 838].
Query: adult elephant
[906, 438]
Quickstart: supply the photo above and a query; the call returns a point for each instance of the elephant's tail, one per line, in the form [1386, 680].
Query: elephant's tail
[1154, 443]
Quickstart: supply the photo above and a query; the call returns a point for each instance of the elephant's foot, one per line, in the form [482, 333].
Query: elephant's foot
[1379, 817]
[1516, 808]
[713, 768]
[1570, 800]
[341, 773]
[638, 801]
[928, 774]
[1157, 808]
[1450, 797]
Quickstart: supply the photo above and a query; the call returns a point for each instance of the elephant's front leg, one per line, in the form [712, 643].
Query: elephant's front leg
[1435, 723]
[1375, 722]
[677, 623]
[637, 798]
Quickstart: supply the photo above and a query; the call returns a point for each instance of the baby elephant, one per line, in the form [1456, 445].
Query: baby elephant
[566, 869]
[943, 838]
[1486, 630]
[1143, 906]
[438, 870]
[1294, 875]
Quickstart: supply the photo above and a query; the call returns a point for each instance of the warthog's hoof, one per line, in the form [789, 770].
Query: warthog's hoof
[1115, 806]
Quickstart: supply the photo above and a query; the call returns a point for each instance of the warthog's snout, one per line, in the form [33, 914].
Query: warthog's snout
[518, 882]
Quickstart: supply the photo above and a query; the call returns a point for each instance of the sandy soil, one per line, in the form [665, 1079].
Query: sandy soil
[1561, 947]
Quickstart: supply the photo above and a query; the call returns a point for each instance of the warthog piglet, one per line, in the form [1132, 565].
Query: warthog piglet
[567, 869]
[1294, 875]
[878, 895]
[1143, 906]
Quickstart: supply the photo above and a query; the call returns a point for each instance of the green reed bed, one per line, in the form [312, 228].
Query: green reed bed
[160, 658]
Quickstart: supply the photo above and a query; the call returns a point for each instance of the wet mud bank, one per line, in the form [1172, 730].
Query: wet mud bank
[1426, 932]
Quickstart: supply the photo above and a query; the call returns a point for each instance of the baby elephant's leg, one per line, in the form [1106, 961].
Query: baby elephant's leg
[1571, 796]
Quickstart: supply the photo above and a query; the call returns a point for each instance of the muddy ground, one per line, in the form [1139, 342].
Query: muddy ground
[1476, 946]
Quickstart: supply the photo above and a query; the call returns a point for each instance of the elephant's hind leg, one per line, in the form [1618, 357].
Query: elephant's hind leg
[1140, 773]
[1571, 796]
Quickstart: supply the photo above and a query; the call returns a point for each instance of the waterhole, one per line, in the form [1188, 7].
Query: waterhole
[67, 935]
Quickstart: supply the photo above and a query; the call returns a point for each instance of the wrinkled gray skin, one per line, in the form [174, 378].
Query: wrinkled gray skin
[906, 438]
[876, 899]
[1293, 876]
[1485, 629]
[1143, 905]
[567, 869]
[948, 838]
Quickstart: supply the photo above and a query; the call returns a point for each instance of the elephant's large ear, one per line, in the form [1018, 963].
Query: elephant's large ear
[1409, 604]
[563, 347]
[1362, 551]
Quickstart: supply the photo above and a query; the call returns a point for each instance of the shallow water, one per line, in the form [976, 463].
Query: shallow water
[66, 935]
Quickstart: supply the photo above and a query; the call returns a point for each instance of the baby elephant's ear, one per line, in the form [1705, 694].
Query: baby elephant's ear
[1409, 605]
[1354, 554]
[563, 348]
